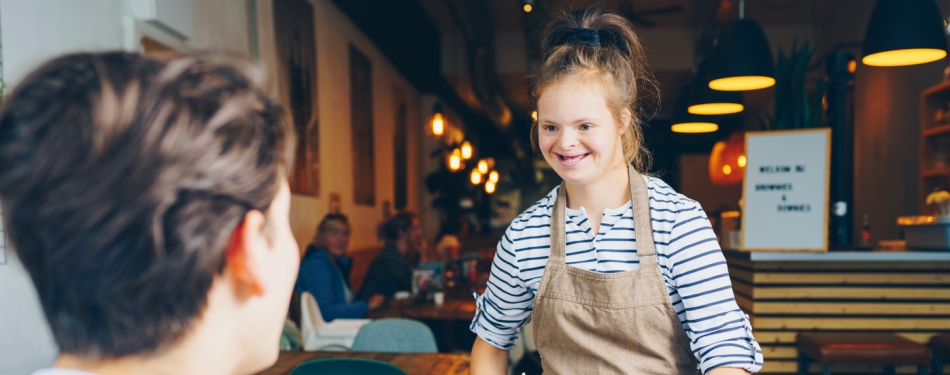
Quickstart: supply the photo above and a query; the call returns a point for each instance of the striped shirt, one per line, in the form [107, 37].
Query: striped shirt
[691, 261]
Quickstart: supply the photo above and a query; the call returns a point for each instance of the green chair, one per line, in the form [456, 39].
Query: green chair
[346, 366]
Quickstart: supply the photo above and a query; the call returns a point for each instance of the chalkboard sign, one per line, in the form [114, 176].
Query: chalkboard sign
[785, 190]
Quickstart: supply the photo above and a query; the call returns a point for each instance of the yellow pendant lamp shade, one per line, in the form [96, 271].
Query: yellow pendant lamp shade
[904, 32]
[685, 122]
[743, 59]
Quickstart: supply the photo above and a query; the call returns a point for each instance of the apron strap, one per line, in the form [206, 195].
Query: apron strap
[558, 241]
[642, 224]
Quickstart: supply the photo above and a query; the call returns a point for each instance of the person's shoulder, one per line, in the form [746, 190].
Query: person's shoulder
[538, 214]
[662, 194]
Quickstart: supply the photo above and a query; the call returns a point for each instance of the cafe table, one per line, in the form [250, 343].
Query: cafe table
[411, 363]
[451, 309]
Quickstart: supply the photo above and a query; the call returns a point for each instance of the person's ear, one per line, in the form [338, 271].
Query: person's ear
[626, 116]
[245, 255]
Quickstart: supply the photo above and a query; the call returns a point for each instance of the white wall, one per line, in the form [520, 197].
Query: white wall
[34, 31]
[335, 33]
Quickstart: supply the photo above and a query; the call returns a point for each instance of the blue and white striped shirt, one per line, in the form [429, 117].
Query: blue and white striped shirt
[687, 252]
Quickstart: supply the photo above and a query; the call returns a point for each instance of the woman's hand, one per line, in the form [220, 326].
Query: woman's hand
[376, 301]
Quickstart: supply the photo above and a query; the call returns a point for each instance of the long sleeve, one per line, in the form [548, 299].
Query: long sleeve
[321, 279]
[719, 332]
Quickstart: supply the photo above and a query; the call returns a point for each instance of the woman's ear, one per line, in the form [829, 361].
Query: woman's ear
[626, 116]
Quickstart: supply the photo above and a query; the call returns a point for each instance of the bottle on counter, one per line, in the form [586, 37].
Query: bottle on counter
[865, 232]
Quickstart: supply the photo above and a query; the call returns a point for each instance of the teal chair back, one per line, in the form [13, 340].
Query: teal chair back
[346, 366]
[395, 336]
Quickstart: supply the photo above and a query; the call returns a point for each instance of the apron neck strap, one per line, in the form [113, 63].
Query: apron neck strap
[642, 224]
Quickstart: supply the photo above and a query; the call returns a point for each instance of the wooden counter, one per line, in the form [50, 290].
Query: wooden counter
[786, 293]
[411, 363]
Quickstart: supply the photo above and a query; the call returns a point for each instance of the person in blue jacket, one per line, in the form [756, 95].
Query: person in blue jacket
[325, 272]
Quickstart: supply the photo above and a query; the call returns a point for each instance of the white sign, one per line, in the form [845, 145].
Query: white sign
[785, 190]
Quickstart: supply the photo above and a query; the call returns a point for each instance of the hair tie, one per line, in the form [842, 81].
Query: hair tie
[584, 36]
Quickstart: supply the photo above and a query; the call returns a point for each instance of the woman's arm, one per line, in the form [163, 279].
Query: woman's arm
[488, 360]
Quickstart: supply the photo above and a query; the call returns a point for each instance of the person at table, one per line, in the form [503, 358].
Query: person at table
[619, 273]
[148, 201]
[325, 272]
[449, 241]
[391, 270]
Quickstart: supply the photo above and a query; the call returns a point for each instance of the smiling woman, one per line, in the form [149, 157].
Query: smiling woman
[608, 238]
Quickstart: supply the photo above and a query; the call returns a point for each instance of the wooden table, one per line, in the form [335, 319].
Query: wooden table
[411, 363]
[453, 309]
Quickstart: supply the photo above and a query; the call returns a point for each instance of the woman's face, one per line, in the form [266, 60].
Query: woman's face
[577, 133]
[337, 242]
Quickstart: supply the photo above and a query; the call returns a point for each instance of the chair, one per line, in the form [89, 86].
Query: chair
[346, 366]
[395, 336]
[887, 349]
[318, 334]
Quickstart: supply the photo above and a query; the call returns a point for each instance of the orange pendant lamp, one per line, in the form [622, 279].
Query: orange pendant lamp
[727, 160]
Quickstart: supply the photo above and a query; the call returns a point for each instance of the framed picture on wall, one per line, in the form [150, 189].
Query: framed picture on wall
[361, 121]
[400, 158]
[297, 68]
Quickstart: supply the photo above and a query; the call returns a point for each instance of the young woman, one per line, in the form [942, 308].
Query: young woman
[617, 271]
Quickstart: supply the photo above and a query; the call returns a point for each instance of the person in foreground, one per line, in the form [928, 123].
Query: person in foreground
[618, 273]
[325, 272]
[147, 199]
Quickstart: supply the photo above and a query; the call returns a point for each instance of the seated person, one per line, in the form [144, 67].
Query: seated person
[325, 272]
[148, 201]
[449, 242]
[391, 271]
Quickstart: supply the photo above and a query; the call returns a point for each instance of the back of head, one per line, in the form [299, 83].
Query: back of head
[122, 178]
[595, 44]
[399, 223]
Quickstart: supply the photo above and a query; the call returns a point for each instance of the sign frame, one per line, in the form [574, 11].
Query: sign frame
[824, 206]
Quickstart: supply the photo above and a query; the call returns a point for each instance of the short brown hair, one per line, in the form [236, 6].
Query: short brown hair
[617, 62]
[122, 178]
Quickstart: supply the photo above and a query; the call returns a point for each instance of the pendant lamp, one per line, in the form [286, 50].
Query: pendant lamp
[743, 57]
[702, 100]
[727, 160]
[685, 122]
[904, 32]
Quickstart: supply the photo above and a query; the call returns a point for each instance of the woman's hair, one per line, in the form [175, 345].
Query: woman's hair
[602, 47]
[332, 222]
[122, 179]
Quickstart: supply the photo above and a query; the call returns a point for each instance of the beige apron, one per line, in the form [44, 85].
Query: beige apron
[620, 323]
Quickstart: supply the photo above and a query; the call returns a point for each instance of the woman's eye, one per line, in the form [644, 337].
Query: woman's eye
[585, 127]
[548, 128]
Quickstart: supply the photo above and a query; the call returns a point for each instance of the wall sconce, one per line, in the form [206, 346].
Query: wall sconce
[436, 125]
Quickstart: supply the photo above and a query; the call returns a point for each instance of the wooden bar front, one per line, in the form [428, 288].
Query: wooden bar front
[785, 293]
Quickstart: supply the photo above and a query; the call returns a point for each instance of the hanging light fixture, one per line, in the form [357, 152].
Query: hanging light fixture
[436, 126]
[904, 32]
[744, 58]
[489, 187]
[702, 100]
[476, 177]
[454, 160]
[466, 150]
[685, 122]
[493, 177]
